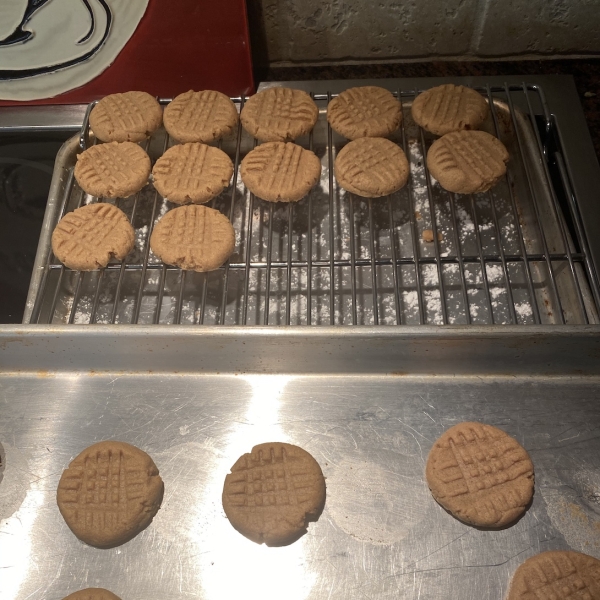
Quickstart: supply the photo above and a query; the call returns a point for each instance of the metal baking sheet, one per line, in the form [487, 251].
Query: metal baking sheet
[503, 257]
[369, 413]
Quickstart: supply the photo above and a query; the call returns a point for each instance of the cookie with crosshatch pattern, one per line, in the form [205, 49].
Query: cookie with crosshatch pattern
[273, 492]
[200, 116]
[467, 162]
[480, 474]
[557, 575]
[109, 493]
[192, 172]
[88, 237]
[92, 594]
[279, 114]
[367, 111]
[449, 107]
[280, 171]
[113, 170]
[371, 167]
[128, 117]
[193, 238]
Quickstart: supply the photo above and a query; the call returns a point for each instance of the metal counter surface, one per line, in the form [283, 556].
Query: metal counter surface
[381, 534]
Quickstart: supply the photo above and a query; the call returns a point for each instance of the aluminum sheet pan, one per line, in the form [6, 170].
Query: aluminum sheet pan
[502, 257]
[381, 534]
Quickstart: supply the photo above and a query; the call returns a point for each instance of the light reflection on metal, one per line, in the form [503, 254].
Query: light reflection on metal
[16, 557]
[17, 532]
[381, 534]
[237, 566]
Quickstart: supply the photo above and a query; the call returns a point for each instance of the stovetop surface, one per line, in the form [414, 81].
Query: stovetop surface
[26, 163]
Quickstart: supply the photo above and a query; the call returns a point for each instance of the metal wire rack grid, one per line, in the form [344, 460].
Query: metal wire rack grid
[514, 255]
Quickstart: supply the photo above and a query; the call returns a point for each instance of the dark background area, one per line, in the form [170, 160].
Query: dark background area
[25, 175]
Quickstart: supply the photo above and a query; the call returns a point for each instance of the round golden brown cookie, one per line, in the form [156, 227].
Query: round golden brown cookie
[92, 594]
[192, 172]
[200, 116]
[194, 238]
[90, 236]
[114, 170]
[480, 474]
[280, 171]
[557, 575]
[128, 117]
[371, 167]
[449, 107]
[367, 111]
[109, 493]
[273, 492]
[279, 114]
[467, 162]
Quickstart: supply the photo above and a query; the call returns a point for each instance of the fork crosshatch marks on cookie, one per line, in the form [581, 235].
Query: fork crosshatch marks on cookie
[480, 475]
[273, 492]
[557, 575]
[109, 493]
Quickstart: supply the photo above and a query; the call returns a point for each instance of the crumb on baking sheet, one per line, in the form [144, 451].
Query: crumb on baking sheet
[428, 235]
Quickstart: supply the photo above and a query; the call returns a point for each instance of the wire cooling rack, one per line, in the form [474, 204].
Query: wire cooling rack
[514, 255]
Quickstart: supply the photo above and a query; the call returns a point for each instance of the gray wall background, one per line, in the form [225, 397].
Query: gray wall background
[308, 32]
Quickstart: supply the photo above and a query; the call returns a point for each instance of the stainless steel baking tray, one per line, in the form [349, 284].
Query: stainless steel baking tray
[518, 254]
[366, 402]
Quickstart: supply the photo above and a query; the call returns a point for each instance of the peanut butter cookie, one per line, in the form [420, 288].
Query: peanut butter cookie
[192, 172]
[128, 117]
[109, 493]
[200, 116]
[280, 172]
[367, 111]
[371, 167]
[87, 238]
[194, 238]
[273, 492]
[480, 474]
[467, 162]
[557, 575]
[279, 114]
[449, 107]
[114, 170]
